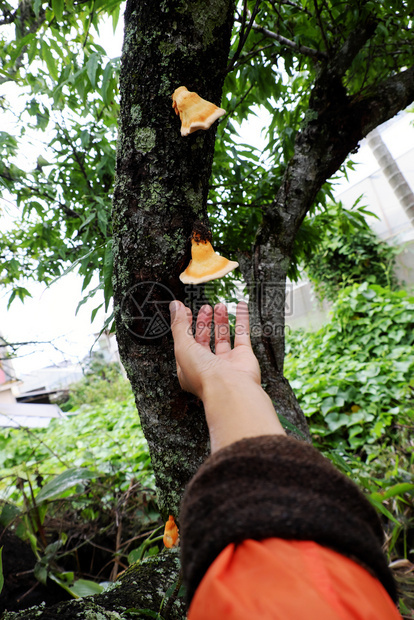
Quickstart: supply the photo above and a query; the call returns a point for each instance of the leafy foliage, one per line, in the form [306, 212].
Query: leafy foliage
[69, 108]
[102, 383]
[107, 439]
[347, 252]
[286, 46]
[354, 382]
[70, 96]
[365, 363]
[67, 489]
[386, 475]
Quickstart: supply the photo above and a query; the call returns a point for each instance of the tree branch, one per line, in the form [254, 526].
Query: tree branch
[43, 194]
[390, 97]
[301, 49]
[76, 155]
[323, 145]
[350, 48]
[8, 17]
[249, 55]
[244, 33]
[318, 17]
[294, 5]
[329, 90]
[142, 586]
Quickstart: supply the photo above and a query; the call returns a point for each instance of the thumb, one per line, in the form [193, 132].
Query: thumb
[180, 322]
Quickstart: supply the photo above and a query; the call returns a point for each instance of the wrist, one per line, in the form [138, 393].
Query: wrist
[227, 386]
[237, 407]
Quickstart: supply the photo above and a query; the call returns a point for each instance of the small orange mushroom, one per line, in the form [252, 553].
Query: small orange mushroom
[195, 112]
[205, 264]
[170, 533]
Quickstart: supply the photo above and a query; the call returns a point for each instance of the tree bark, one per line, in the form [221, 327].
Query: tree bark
[161, 190]
[141, 587]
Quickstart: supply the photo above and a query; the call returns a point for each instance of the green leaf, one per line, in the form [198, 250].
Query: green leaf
[398, 489]
[85, 587]
[36, 7]
[288, 425]
[381, 508]
[40, 572]
[107, 273]
[8, 514]
[77, 262]
[50, 61]
[58, 6]
[94, 312]
[92, 67]
[61, 483]
[19, 292]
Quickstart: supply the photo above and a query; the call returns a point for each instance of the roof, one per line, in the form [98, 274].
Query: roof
[16, 415]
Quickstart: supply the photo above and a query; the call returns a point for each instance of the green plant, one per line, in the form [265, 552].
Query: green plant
[347, 252]
[354, 381]
[102, 383]
[92, 472]
[353, 377]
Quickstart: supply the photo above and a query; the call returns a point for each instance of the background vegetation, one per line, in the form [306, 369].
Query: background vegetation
[83, 488]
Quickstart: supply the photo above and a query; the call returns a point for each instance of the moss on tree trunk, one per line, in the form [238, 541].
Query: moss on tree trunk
[161, 189]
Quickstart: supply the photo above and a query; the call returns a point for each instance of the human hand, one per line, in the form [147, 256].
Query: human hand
[197, 366]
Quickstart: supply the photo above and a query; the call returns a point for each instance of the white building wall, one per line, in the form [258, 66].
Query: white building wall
[391, 223]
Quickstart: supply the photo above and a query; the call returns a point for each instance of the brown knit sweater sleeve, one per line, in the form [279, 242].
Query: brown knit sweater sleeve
[276, 486]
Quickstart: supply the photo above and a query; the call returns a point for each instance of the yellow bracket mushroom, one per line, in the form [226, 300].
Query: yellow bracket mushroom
[205, 264]
[170, 538]
[195, 112]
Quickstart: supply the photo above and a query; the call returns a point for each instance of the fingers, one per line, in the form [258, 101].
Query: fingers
[242, 331]
[221, 329]
[181, 319]
[203, 326]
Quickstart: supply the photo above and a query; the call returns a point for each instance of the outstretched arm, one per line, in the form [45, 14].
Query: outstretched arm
[227, 381]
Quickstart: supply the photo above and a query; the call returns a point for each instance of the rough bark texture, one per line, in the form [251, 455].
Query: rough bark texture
[265, 272]
[161, 189]
[141, 587]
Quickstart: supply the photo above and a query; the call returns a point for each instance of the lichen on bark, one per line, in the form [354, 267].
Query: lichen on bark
[161, 189]
[142, 586]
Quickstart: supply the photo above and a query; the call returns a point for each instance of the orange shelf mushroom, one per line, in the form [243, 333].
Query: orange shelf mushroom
[205, 264]
[170, 537]
[195, 112]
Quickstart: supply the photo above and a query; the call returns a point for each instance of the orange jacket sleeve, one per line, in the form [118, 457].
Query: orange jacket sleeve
[288, 580]
[278, 488]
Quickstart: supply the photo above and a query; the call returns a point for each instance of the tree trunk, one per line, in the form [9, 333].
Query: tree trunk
[161, 189]
[141, 587]
[265, 276]
[333, 126]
